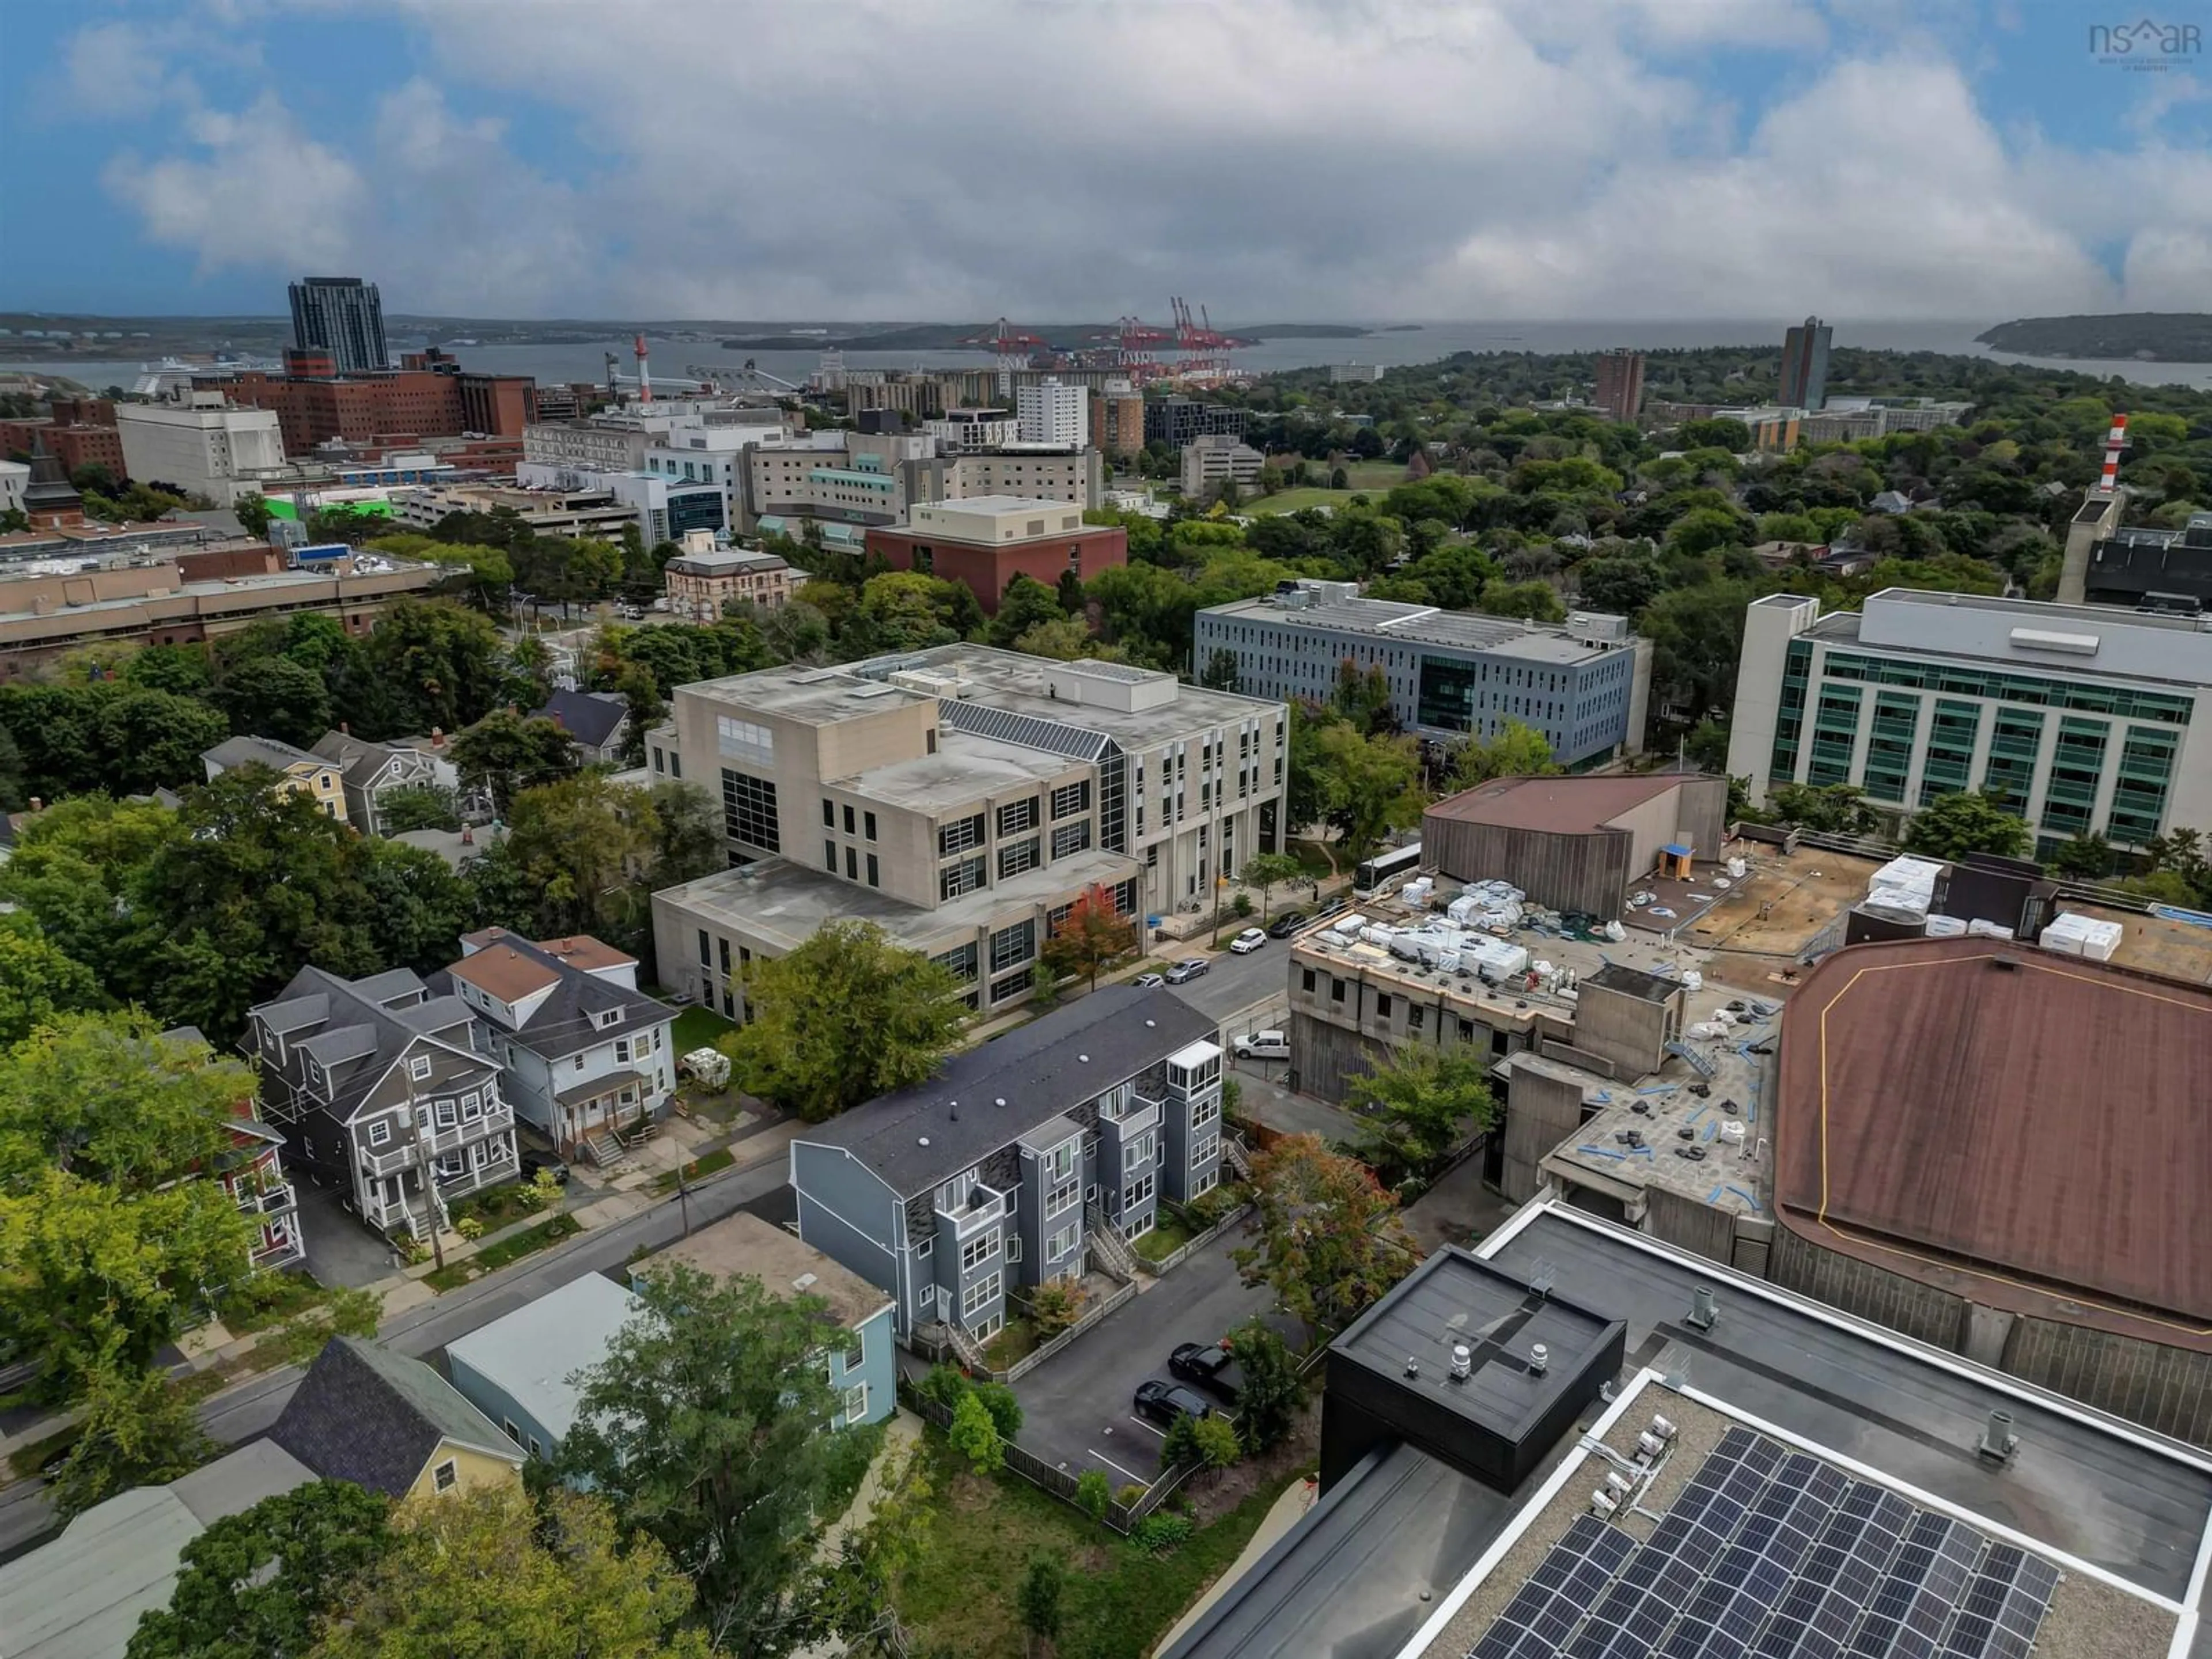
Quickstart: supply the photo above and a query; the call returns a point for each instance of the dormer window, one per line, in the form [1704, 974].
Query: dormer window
[607, 1016]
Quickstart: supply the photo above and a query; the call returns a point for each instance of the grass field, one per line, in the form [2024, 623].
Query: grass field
[1118, 1600]
[1366, 477]
[697, 1027]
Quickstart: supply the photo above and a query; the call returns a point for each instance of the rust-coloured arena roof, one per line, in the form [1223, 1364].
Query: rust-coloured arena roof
[1561, 805]
[2037, 1138]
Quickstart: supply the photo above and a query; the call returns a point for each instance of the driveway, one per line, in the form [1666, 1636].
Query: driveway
[341, 1250]
[1076, 1406]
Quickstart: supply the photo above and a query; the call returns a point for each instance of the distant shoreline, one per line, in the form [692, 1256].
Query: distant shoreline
[2170, 337]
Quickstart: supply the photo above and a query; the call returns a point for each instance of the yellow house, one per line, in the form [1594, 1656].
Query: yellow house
[391, 1424]
[297, 771]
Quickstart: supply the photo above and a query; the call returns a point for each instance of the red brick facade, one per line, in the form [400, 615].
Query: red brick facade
[986, 567]
[421, 403]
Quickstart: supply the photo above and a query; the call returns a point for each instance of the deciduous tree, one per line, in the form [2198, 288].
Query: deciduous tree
[488, 1573]
[507, 753]
[1268, 870]
[1091, 935]
[1419, 1107]
[708, 1427]
[135, 1428]
[1952, 826]
[255, 1585]
[1270, 1395]
[1518, 751]
[1329, 1241]
[846, 1017]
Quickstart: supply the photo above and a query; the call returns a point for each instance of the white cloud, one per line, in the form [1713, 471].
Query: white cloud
[1271, 158]
[259, 192]
[115, 69]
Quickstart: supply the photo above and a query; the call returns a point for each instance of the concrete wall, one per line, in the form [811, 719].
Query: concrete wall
[1680, 1220]
[1589, 871]
[2169, 1390]
[1325, 1054]
[1540, 1112]
[1860, 1287]
[1626, 1030]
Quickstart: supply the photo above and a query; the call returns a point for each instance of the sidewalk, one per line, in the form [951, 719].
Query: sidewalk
[1289, 1510]
[901, 1431]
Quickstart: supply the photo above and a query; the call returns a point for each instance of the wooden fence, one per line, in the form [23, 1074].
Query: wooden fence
[1044, 1351]
[1058, 1482]
[1178, 1256]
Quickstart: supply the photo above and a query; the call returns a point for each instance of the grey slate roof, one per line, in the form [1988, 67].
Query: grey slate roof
[1049, 1067]
[367, 1025]
[368, 1415]
[590, 717]
[562, 1023]
[259, 751]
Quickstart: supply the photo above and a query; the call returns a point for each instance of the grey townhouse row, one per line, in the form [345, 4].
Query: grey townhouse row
[995, 1174]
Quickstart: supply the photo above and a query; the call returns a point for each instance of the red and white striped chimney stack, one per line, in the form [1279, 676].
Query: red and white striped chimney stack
[2115, 441]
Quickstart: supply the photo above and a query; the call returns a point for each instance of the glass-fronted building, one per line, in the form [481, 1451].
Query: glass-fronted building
[1451, 674]
[2083, 719]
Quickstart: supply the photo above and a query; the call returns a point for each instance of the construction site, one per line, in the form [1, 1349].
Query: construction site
[1900, 1099]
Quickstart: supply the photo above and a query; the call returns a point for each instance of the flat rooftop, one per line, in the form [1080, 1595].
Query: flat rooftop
[1397, 620]
[816, 696]
[1404, 1559]
[965, 768]
[1557, 805]
[746, 1246]
[1455, 1300]
[1757, 1538]
[1013, 683]
[535, 1353]
[2032, 1135]
[785, 903]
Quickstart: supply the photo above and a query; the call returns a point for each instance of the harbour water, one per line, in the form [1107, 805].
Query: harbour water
[1391, 346]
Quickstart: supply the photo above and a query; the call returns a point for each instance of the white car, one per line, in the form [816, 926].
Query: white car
[1248, 941]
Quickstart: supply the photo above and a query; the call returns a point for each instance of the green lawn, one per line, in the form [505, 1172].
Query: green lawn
[705, 1164]
[1167, 1236]
[697, 1027]
[1374, 475]
[1017, 1339]
[1120, 1601]
[493, 1257]
[1291, 501]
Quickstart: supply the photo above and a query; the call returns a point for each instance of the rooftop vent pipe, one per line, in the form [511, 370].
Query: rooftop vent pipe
[1462, 1362]
[1997, 1441]
[1704, 1311]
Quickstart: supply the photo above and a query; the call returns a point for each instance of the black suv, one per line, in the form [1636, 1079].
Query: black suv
[1207, 1365]
[1163, 1402]
[1286, 924]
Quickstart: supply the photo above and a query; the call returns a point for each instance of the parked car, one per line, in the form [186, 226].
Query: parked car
[1286, 924]
[1163, 1402]
[1209, 1365]
[1188, 969]
[533, 1162]
[1330, 908]
[1263, 1045]
[1248, 941]
[1145, 981]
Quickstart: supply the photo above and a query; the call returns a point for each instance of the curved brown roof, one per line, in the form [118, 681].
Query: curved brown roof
[2037, 1137]
[1559, 804]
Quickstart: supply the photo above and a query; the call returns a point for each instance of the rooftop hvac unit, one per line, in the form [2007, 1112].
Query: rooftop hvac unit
[1603, 1504]
[1462, 1362]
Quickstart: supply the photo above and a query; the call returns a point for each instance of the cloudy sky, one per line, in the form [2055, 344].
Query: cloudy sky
[1076, 159]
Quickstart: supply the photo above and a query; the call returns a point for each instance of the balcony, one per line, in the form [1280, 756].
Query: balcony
[445, 1139]
[270, 1200]
[281, 1253]
[400, 1156]
[982, 1207]
[1134, 1112]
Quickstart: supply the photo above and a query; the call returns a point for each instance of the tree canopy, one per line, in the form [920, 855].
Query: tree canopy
[706, 1428]
[1328, 1239]
[846, 1017]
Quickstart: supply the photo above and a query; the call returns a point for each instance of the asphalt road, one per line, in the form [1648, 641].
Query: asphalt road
[1235, 983]
[237, 1415]
[1076, 1410]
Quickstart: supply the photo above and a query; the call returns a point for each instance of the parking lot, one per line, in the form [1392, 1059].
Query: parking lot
[1076, 1410]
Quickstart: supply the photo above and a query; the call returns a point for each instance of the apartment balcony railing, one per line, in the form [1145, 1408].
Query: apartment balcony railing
[278, 1254]
[1134, 1113]
[268, 1200]
[983, 1205]
[443, 1139]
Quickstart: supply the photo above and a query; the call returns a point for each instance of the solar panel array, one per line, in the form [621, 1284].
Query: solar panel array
[1769, 1554]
